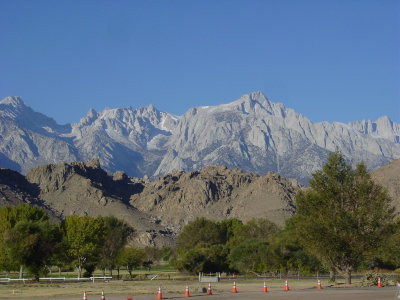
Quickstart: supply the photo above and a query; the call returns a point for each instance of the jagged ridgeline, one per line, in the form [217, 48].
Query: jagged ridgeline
[157, 209]
[251, 133]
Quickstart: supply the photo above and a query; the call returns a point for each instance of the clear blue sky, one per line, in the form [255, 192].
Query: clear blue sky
[335, 60]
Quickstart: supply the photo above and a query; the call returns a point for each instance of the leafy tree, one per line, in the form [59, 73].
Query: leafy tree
[343, 215]
[9, 217]
[115, 237]
[388, 255]
[203, 258]
[198, 231]
[32, 243]
[251, 255]
[254, 229]
[207, 246]
[229, 228]
[201, 247]
[166, 253]
[289, 254]
[249, 245]
[153, 254]
[131, 258]
[85, 237]
[60, 257]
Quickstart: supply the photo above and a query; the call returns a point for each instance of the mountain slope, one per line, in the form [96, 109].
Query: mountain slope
[257, 135]
[15, 190]
[217, 193]
[85, 189]
[158, 209]
[251, 133]
[389, 177]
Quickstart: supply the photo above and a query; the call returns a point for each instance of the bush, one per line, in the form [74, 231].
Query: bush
[371, 279]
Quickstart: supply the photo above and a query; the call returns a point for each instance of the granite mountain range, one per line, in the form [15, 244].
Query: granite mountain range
[251, 133]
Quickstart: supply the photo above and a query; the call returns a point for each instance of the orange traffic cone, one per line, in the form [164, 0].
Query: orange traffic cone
[159, 294]
[209, 290]
[319, 286]
[234, 290]
[265, 289]
[187, 294]
[102, 296]
[379, 282]
[286, 286]
[84, 296]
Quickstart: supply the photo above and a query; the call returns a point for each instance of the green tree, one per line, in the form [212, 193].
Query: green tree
[254, 229]
[251, 255]
[343, 215]
[388, 255]
[289, 254]
[201, 247]
[32, 243]
[166, 253]
[249, 245]
[153, 254]
[115, 237]
[85, 238]
[203, 257]
[131, 258]
[198, 231]
[229, 228]
[9, 216]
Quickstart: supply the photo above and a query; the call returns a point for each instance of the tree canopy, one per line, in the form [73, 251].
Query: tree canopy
[84, 236]
[28, 239]
[343, 215]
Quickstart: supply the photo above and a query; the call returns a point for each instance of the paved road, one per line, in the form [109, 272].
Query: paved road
[373, 293]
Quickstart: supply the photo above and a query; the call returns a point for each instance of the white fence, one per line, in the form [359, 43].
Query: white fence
[51, 279]
[209, 278]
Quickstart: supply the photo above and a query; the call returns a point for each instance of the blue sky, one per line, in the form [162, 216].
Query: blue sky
[329, 60]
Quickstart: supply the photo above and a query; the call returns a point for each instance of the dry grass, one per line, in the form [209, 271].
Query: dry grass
[75, 290]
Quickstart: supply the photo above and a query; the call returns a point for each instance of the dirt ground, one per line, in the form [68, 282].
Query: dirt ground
[251, 290]
[300, 294]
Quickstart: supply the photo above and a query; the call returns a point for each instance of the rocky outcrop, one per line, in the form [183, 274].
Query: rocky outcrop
[157, 209]
[251, 133]
[217, 193]
[85, 189]
[15, 190]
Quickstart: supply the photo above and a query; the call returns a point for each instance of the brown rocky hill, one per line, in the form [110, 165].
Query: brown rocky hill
[217, 193]
[157, 209]
[389, 177]
[85, 189]
[15, 190]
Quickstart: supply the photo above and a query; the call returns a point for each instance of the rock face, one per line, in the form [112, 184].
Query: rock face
[388, 176]
[217, 193]
[84, 189]
[251, 133]
[15, 190]
[157, 209]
